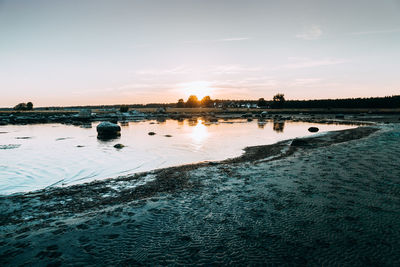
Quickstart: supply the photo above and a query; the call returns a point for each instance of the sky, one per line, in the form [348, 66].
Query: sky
[81, 52]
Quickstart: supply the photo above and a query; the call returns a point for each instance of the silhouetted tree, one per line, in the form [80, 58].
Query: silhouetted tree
[20, 106]
[29, 106]
[261, 102]
[192, 102]
[206, 102]
[278, 100]
[181, 103]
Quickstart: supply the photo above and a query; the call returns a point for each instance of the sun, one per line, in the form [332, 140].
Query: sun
[197, 88]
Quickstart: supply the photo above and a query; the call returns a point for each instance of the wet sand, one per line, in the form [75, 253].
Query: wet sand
[332, 199]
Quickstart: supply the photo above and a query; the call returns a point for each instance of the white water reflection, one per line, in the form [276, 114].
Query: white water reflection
[199, 134]
[37, 156]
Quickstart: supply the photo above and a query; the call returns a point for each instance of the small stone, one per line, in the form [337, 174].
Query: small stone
[151, 133]
[313, 129]
[119, 146]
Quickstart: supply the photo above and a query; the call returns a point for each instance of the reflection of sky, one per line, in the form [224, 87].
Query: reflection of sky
[58, 154]
[199, 134]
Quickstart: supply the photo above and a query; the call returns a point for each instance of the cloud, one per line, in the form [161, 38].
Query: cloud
[210, 69]
[375, 32]
[169, 71]
[233, 39]
[312, 33]
[299, 63]
[304, 82]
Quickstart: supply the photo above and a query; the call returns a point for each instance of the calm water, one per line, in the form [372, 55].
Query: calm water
[37, 156]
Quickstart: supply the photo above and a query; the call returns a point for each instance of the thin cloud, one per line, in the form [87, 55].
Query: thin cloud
[169, 71]
[375, 32]
[304, 82]
[312, 33]
[234, 39]
[213, 69]
[310, 63]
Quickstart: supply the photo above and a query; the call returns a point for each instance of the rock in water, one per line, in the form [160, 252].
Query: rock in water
[108, 130]
[313, 129]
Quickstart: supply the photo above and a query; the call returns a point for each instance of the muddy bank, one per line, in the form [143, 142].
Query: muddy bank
[327, 200]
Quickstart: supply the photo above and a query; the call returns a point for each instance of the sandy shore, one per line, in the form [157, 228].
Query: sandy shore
[332, 199]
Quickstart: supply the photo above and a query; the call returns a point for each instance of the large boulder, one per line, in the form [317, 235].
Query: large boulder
[108, 130]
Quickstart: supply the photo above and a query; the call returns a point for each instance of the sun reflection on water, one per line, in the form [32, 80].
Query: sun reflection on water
[199, 134]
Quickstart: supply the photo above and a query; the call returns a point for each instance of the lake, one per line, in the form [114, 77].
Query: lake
[42, 155]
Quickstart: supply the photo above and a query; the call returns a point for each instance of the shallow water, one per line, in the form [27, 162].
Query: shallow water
[42, 155]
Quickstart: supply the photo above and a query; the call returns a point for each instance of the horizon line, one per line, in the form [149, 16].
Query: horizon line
[169, 103]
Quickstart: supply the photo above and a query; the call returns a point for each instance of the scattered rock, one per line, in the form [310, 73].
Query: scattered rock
[79, 146]
[108, 130]
[10, 146]
[313, 129]
[85, 113]
[151, 133]
[63, 138]
[247, 115]
[168, 135]
[119, 146]
[161, 110]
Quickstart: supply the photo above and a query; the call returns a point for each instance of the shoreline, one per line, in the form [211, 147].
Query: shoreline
[170, 179]
[357, 116]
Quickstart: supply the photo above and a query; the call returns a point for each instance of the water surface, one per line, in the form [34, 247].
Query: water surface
[42, 155]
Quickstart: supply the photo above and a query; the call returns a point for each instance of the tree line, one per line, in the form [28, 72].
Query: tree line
[279, 101]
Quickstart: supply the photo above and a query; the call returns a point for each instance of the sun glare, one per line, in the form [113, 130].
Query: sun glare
[199, 134]
[197, 88]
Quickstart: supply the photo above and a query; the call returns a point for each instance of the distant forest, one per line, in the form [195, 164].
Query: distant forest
[277, 102]
[372, 102]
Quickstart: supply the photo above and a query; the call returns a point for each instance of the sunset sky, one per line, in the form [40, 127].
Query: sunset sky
[115, 52]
